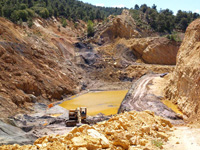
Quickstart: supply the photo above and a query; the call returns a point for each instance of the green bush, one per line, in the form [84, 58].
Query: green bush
[30, 22]
[157, 143]
[90, 28]
[19, 22]
[19, 14]
[174, 37]
[23, 6]
[15, 16]
[23, 14]
[31, 12]
[64, 22]
[1, 12]
[75, 25]
[44, 13]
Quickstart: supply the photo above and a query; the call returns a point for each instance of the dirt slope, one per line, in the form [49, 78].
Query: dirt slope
[35, 64]
[184, 86]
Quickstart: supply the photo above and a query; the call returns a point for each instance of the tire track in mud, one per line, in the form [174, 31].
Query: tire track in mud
[140, 99]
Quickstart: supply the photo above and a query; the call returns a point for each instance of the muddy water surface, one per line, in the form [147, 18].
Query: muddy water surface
[174, 107]
[106, 102]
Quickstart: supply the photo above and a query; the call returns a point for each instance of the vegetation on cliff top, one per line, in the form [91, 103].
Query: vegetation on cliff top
[163, 20]
[146, 17]
[70, 9]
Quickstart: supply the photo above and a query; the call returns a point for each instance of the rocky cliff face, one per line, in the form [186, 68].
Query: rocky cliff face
[151, 50]
[155, 50]
[35, 65]
[122, 26]
[184, 86]
[122, 31]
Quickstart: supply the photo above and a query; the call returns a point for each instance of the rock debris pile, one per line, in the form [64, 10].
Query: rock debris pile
[131, 130]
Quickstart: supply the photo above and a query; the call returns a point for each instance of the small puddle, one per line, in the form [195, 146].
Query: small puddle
[172, 106]
[55, 115]
[106, 102]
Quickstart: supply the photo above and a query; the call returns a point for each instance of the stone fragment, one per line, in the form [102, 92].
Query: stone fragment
[133, 141]
[79, 142]
[162, 136]
[146, 129]
[123, 143]
[143, 142]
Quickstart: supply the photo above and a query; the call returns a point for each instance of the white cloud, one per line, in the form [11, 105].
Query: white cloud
[197, 11]
[120, 6]
[102, 5]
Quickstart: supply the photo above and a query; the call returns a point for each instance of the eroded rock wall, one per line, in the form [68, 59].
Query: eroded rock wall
[155, 50]
[184, 86]
[121, 26]
[33, 67]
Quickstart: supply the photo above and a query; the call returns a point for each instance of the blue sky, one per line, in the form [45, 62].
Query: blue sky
[174, 5]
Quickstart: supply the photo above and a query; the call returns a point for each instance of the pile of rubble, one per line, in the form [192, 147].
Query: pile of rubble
[131, 130]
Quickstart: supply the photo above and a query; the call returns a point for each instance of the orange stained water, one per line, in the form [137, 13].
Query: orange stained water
[106, 102]
[172, 106]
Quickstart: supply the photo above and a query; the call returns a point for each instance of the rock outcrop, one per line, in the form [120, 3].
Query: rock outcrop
[150, 50]
[184, 86]
[155, 50]
[122, 26]
[131, 130]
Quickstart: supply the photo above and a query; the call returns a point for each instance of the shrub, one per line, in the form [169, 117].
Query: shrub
[75, 25]
[44, 13]
[30, 22]
[31, 12]
[174, 37]
[14, 16]
[22, 6]
[64, 22]
[90, 28]
[157, 143]
[23, 14]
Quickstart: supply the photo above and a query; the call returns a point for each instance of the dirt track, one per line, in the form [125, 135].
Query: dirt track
[140, 98]
[184, 138]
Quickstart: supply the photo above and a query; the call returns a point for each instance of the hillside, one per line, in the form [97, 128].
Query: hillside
[35, 64]
[163, 21]
[147, 18]
[18, 11]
